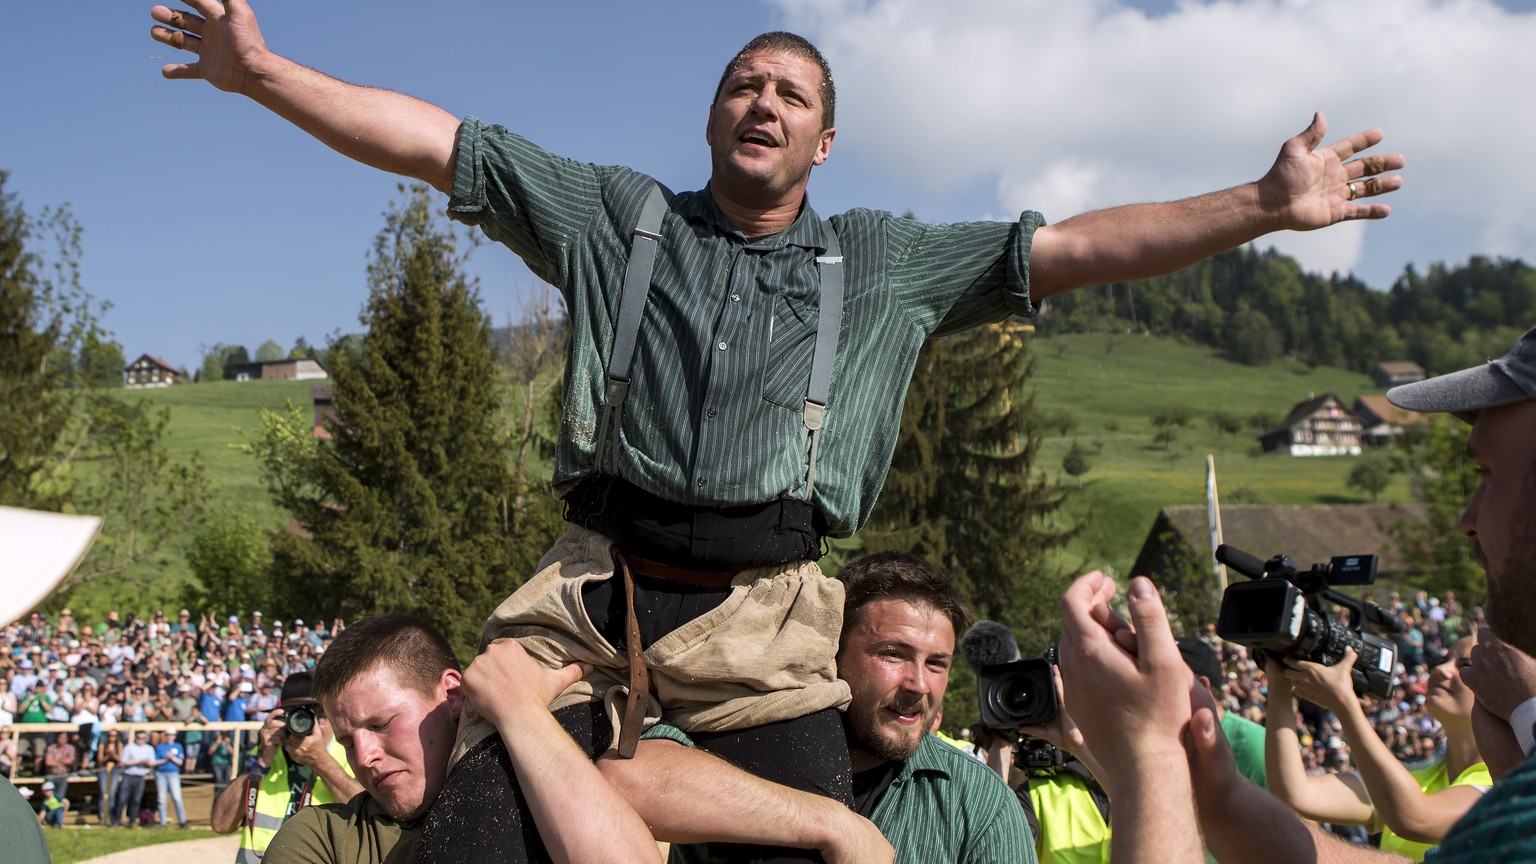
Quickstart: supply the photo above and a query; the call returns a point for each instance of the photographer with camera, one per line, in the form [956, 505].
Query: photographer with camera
[1411, 809]
[297, 763]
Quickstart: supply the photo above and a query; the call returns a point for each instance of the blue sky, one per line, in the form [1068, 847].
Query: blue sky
[208, 220]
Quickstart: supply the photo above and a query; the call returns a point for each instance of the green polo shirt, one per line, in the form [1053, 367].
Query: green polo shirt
[714, 415]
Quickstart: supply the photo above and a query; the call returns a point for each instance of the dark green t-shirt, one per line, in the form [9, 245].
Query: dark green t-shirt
[357, 832]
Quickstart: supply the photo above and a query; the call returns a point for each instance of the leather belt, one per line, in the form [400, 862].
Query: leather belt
[701, 578]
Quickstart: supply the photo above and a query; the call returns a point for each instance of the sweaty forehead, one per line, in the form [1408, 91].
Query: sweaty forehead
[778, 65]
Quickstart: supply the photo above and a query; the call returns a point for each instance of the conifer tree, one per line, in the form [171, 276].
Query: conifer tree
[405, 506]
[964, 489]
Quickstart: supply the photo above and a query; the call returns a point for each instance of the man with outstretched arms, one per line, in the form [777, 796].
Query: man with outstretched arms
[738, 402]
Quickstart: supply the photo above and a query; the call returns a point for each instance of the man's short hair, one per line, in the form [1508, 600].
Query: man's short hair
[1202, 659]
[899, 576]
[410, 647]
[798, 46]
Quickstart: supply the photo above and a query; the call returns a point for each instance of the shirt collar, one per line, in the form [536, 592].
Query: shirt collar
[805, 232]
[927, 760]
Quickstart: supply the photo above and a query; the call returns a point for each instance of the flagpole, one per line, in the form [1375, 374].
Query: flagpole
[1213, 520]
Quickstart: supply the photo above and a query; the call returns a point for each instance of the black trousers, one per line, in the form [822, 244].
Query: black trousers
[483, 815]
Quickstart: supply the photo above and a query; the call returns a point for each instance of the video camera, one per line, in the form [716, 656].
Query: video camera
[1282, 612]
[1020, 693]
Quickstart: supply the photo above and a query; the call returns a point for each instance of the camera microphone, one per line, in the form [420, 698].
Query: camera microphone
[988, 643]
[1241, 561]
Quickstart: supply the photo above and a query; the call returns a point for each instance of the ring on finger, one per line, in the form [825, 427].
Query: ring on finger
[1353, 193]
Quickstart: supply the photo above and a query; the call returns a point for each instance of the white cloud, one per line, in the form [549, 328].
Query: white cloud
[1069, 105]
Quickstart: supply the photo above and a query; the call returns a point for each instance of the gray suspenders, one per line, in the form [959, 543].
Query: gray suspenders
[637, 287]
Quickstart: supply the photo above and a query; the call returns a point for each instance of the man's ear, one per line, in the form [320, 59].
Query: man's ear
[452, 682]
[825, 149]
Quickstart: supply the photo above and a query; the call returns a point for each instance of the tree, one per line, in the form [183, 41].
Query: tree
[1371, 474]
[269, 351]
[1076, 463]
[964, 490]
[216, 357]
[37, 397]
[405, 507]
[301, 350]
[231, 559]
[66, 442]
[1440, 475]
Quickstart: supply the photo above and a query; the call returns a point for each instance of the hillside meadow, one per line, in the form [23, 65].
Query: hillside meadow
[1113, 385]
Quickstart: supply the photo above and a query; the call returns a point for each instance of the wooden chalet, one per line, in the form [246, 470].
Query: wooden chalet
[1382, 423]
[1397, 372]
[1320, 426]
[151, 371]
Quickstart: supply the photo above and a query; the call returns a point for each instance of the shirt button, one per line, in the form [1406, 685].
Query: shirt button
[701, 482]
[721, 346]
[735, 298]
[713, 411]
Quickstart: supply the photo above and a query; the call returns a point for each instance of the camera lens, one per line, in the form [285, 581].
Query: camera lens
[301, 721]
[1017, 697]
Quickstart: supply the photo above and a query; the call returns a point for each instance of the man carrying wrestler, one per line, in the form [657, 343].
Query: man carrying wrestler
[716, 430]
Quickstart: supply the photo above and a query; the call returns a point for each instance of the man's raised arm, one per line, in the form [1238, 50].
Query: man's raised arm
[1308, 187]
[387, 130]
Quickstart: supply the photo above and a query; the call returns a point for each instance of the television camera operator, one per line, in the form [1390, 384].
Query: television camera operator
[1411, 809]
[1029, 739]
[297, 763]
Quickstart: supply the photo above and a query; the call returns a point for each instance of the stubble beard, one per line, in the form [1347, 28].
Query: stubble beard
[1511, 581]
[889, 741]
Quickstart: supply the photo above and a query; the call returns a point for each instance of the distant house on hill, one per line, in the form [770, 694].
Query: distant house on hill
[1307, 535]
[1320, 426]
[1397, 372]
[151, 371]
[324, 397]
[275, 370]
[1382, 422]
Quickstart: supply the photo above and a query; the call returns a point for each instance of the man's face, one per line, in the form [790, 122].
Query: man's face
[896, 661]
[1501, 520]
[397, 739]
[765, 128]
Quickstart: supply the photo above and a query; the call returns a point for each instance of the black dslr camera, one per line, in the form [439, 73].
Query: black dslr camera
[300, 720]
[1282, 612]
[1020, 693]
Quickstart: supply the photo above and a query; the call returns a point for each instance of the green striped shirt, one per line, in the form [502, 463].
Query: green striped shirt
[714, 415]
[943, 806]
[947, 806]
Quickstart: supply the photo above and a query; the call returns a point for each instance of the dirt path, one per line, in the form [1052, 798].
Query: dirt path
[216, 850]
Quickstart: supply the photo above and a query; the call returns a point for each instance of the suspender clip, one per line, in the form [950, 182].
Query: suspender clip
[617, 392]
[815, 412]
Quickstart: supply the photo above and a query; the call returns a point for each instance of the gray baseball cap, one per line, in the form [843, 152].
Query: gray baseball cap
[1511, 378]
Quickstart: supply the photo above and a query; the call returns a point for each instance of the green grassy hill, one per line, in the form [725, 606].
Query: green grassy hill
[1114, 386]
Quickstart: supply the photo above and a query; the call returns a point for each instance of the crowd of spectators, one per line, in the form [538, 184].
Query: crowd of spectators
[131, 669]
